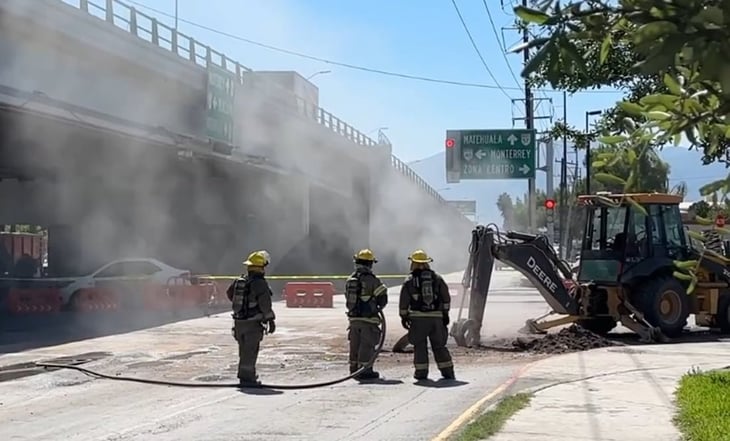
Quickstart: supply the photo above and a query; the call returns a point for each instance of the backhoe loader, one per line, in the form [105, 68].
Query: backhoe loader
[632, 248]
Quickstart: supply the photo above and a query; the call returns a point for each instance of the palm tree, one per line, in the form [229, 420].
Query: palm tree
[506, 208]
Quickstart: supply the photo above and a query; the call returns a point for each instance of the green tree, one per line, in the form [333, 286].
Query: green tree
[520, 218]
[612, 169]
[506, 209]
[671, 56]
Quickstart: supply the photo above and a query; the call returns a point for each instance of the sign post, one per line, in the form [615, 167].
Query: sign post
[221, 94]
[490, 154]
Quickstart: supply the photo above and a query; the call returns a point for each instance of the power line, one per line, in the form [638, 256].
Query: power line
[354, 66]
[476, 49]
[496, 35]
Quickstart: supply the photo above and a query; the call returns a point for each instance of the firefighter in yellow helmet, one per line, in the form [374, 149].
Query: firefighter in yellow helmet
[365, 295]
[252, 314]
[424, 310]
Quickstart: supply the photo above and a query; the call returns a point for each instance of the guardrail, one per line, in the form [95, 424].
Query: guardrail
[148, 28]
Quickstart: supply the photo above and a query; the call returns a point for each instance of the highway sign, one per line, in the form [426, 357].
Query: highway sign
[464, 207]
[490, 154]
[221, 94]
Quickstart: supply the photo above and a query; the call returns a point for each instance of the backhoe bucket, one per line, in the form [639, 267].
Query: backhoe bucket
[531, 327]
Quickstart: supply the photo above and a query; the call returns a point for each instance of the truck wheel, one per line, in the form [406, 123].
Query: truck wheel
[665, 304]
[598, 325]
[723, 313]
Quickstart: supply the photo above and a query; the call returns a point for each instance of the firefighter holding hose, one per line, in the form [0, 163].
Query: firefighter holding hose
[424, 310]
[252, 314]
[365, 297]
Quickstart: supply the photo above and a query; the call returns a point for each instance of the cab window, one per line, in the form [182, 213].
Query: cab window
[673, 230]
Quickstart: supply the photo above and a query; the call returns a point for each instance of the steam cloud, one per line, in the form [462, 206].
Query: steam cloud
[106, 196]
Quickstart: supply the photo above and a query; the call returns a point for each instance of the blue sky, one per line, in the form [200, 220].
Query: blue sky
[395, 36]
[388, 35]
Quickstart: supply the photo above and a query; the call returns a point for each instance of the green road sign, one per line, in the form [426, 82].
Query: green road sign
[464, 207]
[221, 94]
[490, 154]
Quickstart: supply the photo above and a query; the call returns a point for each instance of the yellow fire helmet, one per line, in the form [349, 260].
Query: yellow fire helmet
[365, 254]
[419, 256]
[266, 255]
[257, 258]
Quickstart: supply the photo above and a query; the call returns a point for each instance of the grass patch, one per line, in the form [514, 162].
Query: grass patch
[492, 421]
[704, 406]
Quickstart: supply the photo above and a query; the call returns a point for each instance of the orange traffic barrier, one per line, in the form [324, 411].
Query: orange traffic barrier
[95, 299]
[183, 294]
[217, 293]
[309, 294]
[155, 297]
[33, 300]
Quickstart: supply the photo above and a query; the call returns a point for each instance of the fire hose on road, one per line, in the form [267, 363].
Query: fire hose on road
[97, 374]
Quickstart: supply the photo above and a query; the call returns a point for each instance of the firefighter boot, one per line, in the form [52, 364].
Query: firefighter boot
[420, 374]
[249, 381]
[448, 373]
[369, 374]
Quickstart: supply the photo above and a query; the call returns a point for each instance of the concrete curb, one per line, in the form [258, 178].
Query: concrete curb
[468, 415]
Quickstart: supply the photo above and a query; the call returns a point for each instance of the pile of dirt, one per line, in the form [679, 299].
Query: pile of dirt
[572, 339]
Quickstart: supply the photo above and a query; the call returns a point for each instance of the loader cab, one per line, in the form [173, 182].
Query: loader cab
[622, 242]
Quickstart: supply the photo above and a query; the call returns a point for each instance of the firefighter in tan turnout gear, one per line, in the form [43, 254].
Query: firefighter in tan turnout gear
[252, 314]
[424, 311]
[365, 295]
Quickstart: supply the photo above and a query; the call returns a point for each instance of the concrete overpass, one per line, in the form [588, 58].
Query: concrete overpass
[125, 137]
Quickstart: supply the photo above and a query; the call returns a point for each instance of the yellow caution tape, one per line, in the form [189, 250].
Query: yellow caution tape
[340, 277]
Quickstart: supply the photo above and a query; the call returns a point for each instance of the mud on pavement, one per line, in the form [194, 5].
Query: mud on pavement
[571, 339]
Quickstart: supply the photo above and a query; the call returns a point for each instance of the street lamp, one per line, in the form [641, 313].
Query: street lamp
[321, 72]
[379, 129]
[588, 150]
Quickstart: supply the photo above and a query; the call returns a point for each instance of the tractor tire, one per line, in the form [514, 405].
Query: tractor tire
[723, 313]
[664, 303]
[598, 325]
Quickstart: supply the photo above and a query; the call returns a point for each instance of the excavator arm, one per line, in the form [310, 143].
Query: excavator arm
[531, 255]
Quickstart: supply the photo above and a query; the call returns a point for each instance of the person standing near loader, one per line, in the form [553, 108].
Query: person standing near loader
[424, 310]
[252, 314]
[365, 296]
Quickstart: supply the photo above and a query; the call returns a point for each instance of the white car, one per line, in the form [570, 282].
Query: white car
[150, 270]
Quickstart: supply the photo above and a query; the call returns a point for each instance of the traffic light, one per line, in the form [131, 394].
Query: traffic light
[549, 210]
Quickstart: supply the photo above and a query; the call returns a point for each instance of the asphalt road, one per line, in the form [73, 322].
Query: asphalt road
[310, 345]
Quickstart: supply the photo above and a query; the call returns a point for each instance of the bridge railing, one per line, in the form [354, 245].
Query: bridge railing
[148, 28]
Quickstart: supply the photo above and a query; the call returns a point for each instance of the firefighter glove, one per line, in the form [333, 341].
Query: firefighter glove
[405, 322]
[446, 319]
[271, 326]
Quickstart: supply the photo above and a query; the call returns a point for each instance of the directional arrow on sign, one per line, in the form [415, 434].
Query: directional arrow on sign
[525, 169]
[512, 139]
[480, 154]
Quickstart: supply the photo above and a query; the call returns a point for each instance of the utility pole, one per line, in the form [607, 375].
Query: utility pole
[562, 209]
[529, 124]
[549, 188]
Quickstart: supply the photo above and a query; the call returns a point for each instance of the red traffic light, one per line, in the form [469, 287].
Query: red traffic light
[720, 220]
[450, 143]
[549, 204]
